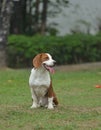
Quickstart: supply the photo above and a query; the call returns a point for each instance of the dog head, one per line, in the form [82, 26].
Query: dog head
[44, 60]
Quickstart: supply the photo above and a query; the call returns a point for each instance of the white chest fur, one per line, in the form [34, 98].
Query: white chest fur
[39, 80]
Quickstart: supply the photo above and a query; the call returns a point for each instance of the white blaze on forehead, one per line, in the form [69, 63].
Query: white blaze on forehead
[50, 57]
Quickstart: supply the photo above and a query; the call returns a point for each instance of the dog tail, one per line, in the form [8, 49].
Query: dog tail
[55, 100]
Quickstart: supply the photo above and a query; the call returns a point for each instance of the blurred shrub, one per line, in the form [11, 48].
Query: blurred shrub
[70, 49]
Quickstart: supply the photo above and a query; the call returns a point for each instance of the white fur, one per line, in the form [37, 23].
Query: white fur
[39, 82]
[49, 62]
[50, 103]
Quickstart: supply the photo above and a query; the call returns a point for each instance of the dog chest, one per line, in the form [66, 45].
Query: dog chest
[39, 79]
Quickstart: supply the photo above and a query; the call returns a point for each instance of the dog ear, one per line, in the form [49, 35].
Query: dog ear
[37, 61]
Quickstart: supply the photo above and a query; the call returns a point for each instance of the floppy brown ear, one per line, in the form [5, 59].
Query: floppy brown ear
[37, 61]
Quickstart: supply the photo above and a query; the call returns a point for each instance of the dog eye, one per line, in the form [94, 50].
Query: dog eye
[45, 58]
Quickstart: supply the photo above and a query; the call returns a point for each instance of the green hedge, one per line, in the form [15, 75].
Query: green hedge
[70, 49]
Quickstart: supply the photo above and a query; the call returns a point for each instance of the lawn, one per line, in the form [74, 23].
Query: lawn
[79, 102]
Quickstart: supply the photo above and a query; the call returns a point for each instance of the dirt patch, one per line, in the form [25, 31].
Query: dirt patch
[77, 67]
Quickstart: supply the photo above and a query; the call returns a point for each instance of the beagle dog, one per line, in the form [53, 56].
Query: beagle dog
[40, 82]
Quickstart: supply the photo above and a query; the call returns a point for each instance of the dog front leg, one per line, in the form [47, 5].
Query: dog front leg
[34, 98]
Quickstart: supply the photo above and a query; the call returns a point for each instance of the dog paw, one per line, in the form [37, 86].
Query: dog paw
[34, 105]
[50, 107]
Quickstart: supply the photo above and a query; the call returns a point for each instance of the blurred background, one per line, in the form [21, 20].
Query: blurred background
[70, 30]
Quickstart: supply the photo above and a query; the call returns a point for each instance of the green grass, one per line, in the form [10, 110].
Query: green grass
[79, 108]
